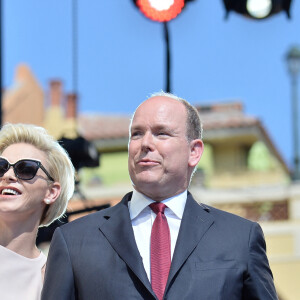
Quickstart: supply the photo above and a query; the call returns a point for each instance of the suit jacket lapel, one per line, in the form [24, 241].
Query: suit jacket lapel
[195, 222]
[116, 227]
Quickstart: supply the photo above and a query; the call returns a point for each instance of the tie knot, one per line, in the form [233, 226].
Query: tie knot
[158, 207]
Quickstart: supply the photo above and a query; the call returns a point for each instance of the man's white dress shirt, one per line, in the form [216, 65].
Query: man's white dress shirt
[142, 218]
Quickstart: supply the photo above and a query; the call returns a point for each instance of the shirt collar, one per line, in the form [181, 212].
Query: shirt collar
[139, 202]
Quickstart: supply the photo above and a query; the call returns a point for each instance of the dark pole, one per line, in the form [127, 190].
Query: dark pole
[74, 46]
[1, 52]
[296, 173]
[293, 63]
[168, 58]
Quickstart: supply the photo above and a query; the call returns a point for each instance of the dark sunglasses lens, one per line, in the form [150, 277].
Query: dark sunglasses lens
[26, 169]
[3, 166]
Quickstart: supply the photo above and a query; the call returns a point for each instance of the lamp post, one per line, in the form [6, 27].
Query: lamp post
[1, 62]
[293, 63]
[257, 9]
[162, 11]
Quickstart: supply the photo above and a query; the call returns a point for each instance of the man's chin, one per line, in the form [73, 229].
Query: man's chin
[149, 188]
[145, 184]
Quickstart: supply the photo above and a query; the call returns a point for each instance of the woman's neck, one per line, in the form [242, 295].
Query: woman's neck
[19, 237]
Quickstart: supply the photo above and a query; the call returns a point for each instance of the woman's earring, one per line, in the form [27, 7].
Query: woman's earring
[47, 201]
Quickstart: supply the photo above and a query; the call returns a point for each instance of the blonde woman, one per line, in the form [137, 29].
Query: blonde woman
[36, 183]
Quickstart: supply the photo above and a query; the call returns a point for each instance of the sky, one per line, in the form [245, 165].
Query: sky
[120, 56]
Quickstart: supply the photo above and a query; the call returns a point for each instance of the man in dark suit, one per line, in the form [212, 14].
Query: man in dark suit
[173, 249]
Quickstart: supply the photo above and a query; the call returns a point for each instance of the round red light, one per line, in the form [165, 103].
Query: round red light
[155, 14]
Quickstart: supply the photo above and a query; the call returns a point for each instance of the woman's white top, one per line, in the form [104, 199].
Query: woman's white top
[20, 277]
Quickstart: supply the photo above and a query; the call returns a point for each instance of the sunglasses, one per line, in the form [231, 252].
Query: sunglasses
[24, 169]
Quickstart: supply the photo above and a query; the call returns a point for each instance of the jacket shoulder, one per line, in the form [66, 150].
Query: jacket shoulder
[230, 218]
[94, 219]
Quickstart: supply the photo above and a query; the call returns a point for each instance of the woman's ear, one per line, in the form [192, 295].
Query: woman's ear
[197, 148]
[52, 193]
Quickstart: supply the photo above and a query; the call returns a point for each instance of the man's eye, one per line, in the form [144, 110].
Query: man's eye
[136, 134]
[162, 133]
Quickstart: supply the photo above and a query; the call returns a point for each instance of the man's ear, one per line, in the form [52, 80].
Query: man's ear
[197, 148]
[52, 193]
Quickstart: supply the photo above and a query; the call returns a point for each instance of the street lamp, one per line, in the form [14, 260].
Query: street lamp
[257, 9]
[162, 11]
[293, 63]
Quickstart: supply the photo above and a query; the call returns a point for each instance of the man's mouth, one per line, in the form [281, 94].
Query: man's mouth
[147, 162]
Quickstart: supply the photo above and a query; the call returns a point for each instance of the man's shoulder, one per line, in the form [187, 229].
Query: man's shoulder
[95, 218]
[224, 216]
[226, 223]
[87, 221]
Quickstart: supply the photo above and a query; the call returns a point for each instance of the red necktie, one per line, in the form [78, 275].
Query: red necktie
[160, 250]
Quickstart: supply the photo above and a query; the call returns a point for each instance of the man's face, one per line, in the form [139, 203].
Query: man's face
[160, 157]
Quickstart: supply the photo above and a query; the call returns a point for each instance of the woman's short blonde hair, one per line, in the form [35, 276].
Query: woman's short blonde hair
[60, 166]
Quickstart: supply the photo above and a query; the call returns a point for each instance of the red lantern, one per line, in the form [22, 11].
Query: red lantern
[160, 10]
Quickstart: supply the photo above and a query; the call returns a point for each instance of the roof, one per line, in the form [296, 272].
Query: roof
[222, 115]
[225, 115]
[219, 120]
[94, 127]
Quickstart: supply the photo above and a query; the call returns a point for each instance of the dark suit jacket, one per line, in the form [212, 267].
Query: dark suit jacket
[217, 256]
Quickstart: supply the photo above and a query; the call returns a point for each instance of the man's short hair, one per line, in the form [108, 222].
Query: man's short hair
[193, 122]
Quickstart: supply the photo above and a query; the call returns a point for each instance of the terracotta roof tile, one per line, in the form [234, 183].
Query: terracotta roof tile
[94, 127]
[215, 120]
[216, 116]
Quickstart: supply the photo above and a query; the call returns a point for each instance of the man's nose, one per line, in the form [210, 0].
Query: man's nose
[147, 141]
